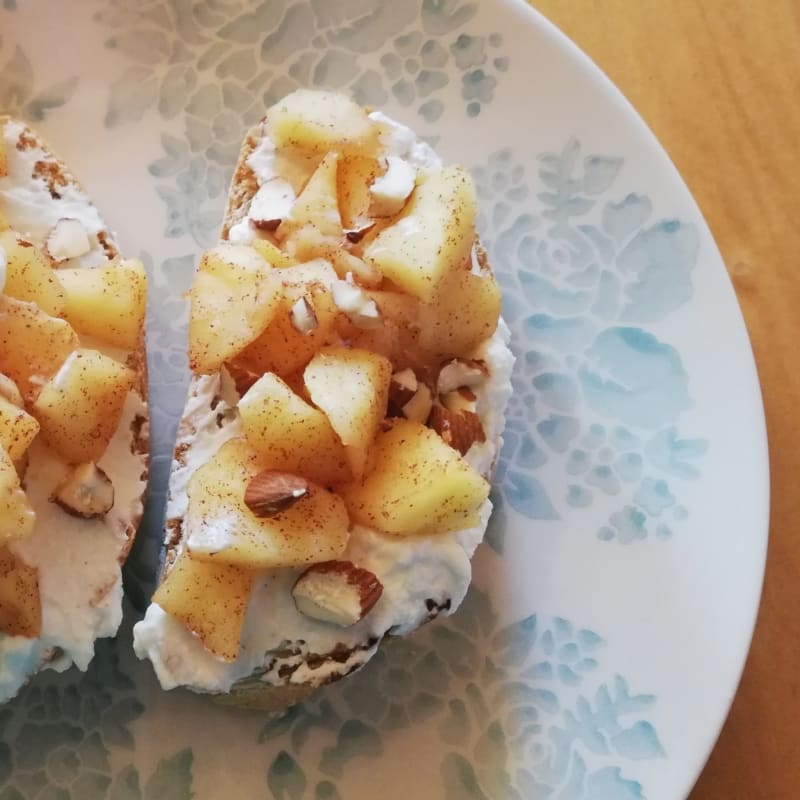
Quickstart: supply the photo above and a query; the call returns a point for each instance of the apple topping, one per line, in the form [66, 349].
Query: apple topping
[338, 592]
[87, 492]
[67, 239]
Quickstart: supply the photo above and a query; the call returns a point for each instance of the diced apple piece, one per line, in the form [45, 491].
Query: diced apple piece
[307, 242]
[272, 254]
[465, 314]
[221, 528]
[29, 275]
[433, 236]
[321, 121]
[16, 515]
[210, 600]
[317, 205]
[80, 407]
[291, 434]
[419, 485]
[33, 345]
[352, 388]
[353, 179]
[17, 429]
[20, 603]
[287, 345]
[108, 303]
[234, 297]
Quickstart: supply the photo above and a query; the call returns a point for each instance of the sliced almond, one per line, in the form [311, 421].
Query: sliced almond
[418, 408]
[462, 399]
[272, 491]
[359, 231]
[338, 592]
[402, 387]
[271, 204]
[67, 239]
[303, 317]
[458, 372]
[391, 190]
[87, 492]
[356, 305]
[242, 378]
[460, 429]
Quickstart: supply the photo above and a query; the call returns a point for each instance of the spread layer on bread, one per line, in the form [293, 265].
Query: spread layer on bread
[351, 371]
[73, 415]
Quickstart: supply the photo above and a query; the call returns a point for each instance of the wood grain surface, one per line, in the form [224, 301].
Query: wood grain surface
[719, 83]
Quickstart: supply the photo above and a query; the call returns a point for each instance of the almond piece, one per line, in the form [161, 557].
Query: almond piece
[402, 387]
[303, 317]
[87, 493]
[338, 592]
[418, 408]
[391, 190]
[272, 491]
[462, 399]
[271, 204]
[457, 373]
[67, 239]
[356, 234]
[460, 429]
[356, 305]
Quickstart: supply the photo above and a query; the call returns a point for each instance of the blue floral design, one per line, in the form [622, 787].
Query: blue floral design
[210, 71]
[58, 735]
[525, 710]
[595, 392]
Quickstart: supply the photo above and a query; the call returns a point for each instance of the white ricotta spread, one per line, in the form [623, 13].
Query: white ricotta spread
[80, 580]
[412, 570]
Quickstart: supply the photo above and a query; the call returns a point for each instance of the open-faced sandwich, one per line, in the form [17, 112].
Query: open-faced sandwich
[351, 370]
[73, 414]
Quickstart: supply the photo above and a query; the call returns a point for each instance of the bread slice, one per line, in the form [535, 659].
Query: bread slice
[286, 656]
[78, 559]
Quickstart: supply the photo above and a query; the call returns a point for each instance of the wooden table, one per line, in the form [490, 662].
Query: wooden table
[719, 83]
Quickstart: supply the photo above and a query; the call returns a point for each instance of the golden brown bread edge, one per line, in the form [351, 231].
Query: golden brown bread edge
[56, 176]
[251, 692]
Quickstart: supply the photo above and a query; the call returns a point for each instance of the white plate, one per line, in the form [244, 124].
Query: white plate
[600, 647]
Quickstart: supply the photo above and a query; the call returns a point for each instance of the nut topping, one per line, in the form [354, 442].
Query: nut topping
[338, 592]
[87, 493]
[402, 387]
[271, 204]
[457, 373]
[67, 239]
[418, 408]
[356, 234]
[460, 429]
[462, 399]
[356, 305]
[303, 317]
[271, 492]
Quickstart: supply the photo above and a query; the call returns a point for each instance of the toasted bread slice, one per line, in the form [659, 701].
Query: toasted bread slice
[77, 376]
[455, 377]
